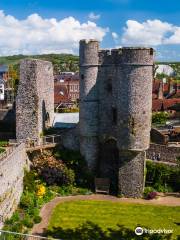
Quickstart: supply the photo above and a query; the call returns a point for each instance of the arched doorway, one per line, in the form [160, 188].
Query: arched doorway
[109, 162]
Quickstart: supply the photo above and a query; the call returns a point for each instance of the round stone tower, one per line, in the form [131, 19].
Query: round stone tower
[134, 100]
[89, 101]
[134, 103]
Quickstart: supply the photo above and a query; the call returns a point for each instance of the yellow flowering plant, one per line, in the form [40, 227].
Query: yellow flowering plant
[41, 190]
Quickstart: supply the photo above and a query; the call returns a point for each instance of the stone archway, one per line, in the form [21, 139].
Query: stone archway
[109, 162]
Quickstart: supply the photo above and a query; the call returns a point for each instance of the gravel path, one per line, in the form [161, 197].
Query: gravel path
[46, 210]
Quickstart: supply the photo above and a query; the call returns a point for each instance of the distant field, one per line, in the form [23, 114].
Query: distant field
[66, 62]
[68, 216]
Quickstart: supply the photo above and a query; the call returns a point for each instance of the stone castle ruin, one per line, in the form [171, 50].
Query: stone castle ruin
[115, 113]
[115, 118]
[35, 99]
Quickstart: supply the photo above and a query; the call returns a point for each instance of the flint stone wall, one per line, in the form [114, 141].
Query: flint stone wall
[35, 98]
[131, 173]
[11, 181]
[167, 153]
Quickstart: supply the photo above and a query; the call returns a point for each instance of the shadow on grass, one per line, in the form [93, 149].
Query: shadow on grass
[91, 231]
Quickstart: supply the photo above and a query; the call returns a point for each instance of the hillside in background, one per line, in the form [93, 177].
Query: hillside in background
[61, 62]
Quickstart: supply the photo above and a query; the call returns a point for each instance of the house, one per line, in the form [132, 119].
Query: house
[165, 89]
[165, 95]
[164, 104]
[61, 97]
[66, 89]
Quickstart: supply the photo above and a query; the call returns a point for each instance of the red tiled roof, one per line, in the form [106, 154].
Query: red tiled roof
[170, 102]
[166, 87]
[159, 104]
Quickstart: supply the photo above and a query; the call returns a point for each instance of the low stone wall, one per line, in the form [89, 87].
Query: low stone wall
[11, 181]
[166, 153]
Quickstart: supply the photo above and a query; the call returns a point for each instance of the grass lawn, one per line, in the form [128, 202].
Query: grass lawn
[68, 216]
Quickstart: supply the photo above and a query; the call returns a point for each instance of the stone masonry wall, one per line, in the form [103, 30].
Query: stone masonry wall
[11, 181]
[131, 173]
[167, 153]
[35, 98]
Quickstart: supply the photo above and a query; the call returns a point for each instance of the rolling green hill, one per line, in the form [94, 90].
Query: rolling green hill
[66, 62]
[61, 62]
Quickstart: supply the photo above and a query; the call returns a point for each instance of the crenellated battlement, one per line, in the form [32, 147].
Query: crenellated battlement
[90, 54]
[126, 55]
[105, 57]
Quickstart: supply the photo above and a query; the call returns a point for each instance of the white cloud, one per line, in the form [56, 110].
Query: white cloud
[175, 38]
[93, 16]
[150, 33]
[37, 35]
[115, 35]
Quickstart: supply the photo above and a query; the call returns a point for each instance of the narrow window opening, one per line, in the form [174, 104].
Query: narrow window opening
[114, 115]
[82, 76]
[109, 85]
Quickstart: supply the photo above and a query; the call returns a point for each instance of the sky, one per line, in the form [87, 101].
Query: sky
[56, 26]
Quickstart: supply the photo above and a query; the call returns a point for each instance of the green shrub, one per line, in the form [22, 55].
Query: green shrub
[69, 190]
[68, 110]
[28, 221]
[159, 117]
[3, 143]
[148, 190]
[37, 219]
[27, 200]
[74, 161]
[52, 170]
[163, 178]
[29, 181]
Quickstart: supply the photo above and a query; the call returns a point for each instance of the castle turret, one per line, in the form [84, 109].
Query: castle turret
[89, 101]
[134, 103]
